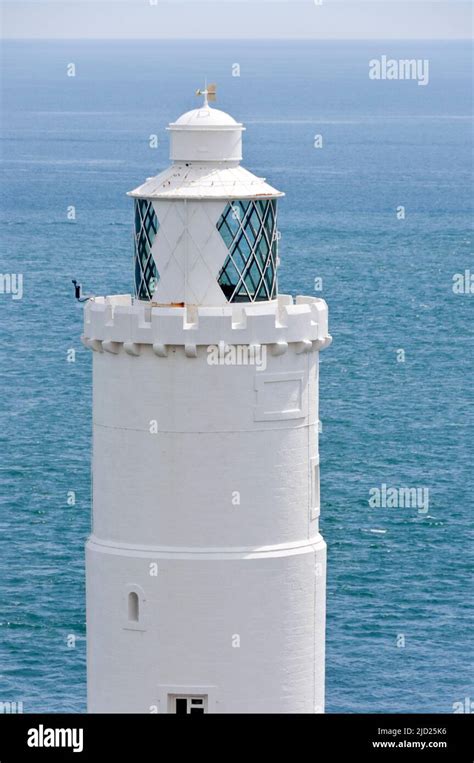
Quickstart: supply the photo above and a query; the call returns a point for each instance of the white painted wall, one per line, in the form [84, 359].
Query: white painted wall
[195, 607]
[255, 571]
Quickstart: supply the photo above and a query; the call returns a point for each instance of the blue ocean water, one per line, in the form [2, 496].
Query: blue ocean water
[395, 576]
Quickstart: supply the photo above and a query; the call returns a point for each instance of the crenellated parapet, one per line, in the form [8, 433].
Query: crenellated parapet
[116, 323]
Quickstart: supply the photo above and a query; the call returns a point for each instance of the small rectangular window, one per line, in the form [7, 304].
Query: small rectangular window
[314, 497]
[188, 704]
[181, 706]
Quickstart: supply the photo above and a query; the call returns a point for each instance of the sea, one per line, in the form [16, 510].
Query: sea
[377, 220]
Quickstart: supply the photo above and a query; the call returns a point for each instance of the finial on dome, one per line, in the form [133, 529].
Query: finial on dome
[209, 93]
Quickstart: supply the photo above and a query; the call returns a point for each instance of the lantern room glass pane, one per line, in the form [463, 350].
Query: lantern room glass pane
[146, 228]
[248, 229]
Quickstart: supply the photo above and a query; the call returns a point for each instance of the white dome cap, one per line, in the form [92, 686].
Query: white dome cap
[206, 135]
[205, 117]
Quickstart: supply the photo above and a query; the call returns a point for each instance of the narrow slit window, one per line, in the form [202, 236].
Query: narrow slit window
[133, 607]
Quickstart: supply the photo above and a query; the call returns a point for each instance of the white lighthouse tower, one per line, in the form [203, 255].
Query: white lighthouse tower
[205, 567]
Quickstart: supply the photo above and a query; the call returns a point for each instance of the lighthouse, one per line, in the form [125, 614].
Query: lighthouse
[205, 569]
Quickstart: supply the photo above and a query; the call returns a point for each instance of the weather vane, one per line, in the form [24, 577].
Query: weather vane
[209, 93]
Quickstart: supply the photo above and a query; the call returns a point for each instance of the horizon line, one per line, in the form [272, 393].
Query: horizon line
[246, 39]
